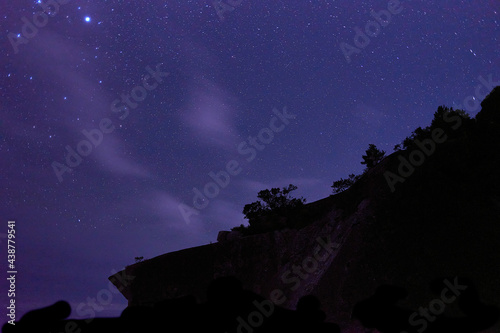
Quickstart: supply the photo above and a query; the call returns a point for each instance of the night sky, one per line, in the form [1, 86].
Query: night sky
[147, 102]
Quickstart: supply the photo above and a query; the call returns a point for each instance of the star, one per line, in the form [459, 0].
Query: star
[87, 19]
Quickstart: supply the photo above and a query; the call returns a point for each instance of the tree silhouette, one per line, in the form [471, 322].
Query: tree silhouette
[343, 184]
[373, 156]
[454, 123]
[275, 201]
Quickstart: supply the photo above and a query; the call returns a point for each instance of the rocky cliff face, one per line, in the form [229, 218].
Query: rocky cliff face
[441, 221]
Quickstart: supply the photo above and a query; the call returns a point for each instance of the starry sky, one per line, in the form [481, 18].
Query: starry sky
[134, 129]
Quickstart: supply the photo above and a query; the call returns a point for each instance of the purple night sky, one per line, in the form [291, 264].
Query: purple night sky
[91, 77]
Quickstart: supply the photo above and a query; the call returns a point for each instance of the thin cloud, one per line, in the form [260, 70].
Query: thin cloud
[112, 157]
[210, 115]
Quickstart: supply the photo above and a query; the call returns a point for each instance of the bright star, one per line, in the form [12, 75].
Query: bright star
[87, 18]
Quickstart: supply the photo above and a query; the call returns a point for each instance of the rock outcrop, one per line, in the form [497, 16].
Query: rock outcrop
[442, 221]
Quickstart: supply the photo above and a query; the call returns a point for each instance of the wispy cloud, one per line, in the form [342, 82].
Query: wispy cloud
[163, 205]
[111, 155]
[210, 115]
[224, 215]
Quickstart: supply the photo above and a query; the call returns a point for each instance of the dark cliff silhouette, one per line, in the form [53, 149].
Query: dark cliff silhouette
[381, 311]
[229, 308]
[429, 210]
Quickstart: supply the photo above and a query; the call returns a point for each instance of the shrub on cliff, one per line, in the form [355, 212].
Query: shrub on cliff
[343, 184]
[275, 206]
[373, 156]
